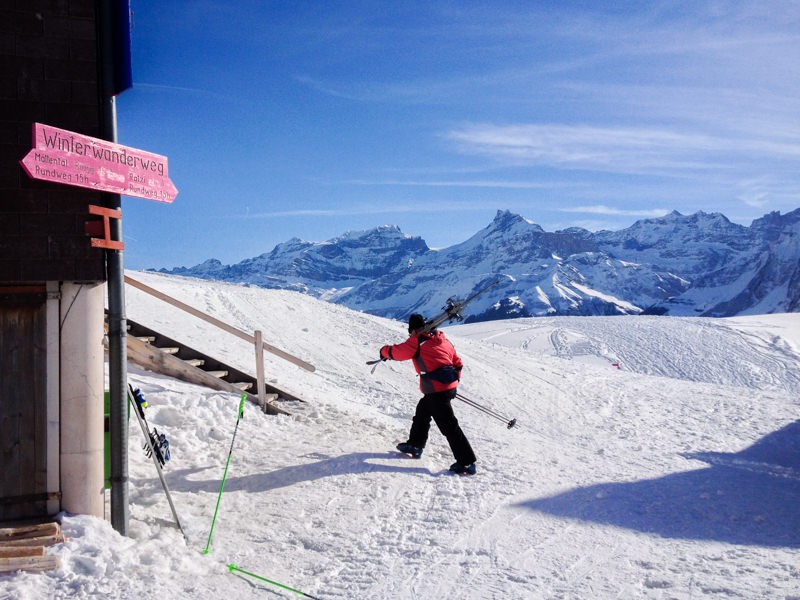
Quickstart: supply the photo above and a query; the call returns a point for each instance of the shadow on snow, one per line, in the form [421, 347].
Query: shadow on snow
[326, 466]
[750, 497]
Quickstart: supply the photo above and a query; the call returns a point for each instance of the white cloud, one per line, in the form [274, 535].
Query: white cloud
[464, 183]
[601, 209]
[377, 209]
[649, 150]
[756, 200]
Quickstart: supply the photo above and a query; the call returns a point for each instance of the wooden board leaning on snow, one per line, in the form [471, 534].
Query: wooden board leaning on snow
[22, 548]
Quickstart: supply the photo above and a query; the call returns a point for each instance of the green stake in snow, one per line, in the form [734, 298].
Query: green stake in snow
[239, 415]
[233, 568]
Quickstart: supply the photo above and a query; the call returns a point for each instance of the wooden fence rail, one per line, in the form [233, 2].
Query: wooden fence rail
[256, 339]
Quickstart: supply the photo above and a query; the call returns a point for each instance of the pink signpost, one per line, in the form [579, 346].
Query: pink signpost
[70, 158]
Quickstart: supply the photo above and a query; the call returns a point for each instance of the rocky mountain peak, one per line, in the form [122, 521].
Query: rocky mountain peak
[699, 264]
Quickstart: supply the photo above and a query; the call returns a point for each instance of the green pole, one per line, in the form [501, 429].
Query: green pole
[233, 568]
[239, 415]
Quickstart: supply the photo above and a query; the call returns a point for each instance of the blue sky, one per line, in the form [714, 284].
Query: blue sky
[287, 119]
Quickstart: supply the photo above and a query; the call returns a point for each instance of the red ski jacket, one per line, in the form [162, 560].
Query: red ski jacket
[435, 360]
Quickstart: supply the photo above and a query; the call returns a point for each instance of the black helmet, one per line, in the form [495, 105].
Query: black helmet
[415, 321]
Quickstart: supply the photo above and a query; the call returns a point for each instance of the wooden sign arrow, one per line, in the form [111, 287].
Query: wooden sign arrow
[70, 158]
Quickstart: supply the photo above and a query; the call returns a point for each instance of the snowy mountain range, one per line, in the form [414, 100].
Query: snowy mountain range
[695, 265]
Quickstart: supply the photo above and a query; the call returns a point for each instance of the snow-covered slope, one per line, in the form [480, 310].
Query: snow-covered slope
[654, 458]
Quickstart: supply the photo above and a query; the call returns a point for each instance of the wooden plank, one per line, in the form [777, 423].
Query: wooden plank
[23, 289]
[187, 354]
[288, 357]
[190, 309]
[153, 359]
[29, 531]
[30, 498]
[19, 551]
[216, 322]
[30, 563]
[49, 540]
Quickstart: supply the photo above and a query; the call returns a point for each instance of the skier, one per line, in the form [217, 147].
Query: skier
[439, 369]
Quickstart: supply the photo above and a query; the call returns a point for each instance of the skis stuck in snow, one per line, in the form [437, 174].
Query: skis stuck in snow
[156, 446]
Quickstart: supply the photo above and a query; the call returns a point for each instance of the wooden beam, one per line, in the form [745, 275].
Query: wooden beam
[153, 359]
[105, 242]
[29, 563]
[47, 540]
[29, 531]
[22, 548]
[19, 551]
[217, 323]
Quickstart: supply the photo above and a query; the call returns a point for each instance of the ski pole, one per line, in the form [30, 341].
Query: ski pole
[239, 415]
[486, 410]
[480, 408]
[376, 363]
[233, 568]
[509, 423]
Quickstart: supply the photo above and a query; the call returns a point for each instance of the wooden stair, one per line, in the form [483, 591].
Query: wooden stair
[157, 352]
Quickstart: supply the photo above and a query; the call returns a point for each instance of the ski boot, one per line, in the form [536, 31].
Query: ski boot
[412, 451]
[460, 469]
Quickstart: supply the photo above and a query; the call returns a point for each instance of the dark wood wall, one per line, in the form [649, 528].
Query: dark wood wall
[23, 418]
[48, 74]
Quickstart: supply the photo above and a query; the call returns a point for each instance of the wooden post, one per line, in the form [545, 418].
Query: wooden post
[262, 389]
[216, 322]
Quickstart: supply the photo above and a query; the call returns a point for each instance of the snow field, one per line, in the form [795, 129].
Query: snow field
[659, 479]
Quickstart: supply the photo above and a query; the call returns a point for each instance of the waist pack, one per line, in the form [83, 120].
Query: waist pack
[446, 374]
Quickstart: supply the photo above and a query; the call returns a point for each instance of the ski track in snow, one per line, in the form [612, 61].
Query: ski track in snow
[657, 480]
[703, 350]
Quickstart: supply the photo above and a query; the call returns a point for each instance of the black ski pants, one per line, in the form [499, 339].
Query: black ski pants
[437, 406]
